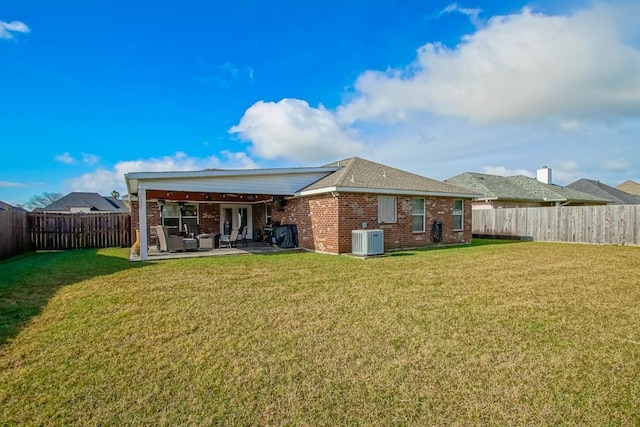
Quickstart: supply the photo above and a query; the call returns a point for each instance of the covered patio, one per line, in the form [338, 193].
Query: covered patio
[213, 202]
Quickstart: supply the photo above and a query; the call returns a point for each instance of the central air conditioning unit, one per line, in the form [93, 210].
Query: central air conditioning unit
[367, 242]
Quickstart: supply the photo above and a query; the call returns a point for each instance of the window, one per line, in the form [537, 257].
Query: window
[418, 216]
[175, 215]
[386, 209]
[457, 214]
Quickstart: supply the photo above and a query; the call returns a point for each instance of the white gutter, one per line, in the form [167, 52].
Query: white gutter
[384, 191]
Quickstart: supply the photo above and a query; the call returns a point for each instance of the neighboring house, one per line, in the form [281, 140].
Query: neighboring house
[521, 191]
[325, 203]
[630, 187]
[7, 207]
[78, 202]
[598, 189]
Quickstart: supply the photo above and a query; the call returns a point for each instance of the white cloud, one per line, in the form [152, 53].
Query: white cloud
[617, 165]
[90, 159]
[471, 13]
[571, 125]
[504, 171]
[293, 130]
[65, 158]
[8, 29]
[10, 184]
[518, 68]
[562, 171]
[522, 91]
[104, 181]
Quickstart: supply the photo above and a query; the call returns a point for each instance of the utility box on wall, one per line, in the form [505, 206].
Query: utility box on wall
[367, 242]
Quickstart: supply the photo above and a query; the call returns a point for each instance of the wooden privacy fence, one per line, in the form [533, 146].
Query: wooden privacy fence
[14, 233]
[59, 231]
[612, 224]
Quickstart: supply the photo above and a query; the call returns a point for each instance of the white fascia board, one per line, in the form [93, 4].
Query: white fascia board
[226, 173]
[385, 191]
[132, 184]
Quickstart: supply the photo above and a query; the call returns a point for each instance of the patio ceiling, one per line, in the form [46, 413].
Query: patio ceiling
[196, 196]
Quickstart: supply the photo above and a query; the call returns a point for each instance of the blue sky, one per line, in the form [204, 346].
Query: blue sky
[92, 90]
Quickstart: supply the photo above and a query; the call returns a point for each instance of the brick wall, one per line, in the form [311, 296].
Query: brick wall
[358, 208]
[259, 218]
[325, 222]
[209, 218]
[316, 219]
[153, 215]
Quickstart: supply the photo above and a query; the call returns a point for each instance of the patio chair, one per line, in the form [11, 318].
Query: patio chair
[228, 240]
[193, 231]
[172, 243]
[242, 237]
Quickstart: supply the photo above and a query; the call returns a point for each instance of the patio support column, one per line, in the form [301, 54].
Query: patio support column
[142, 221]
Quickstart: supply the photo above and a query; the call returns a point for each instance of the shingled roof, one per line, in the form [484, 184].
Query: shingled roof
[630, 187]
[520, 188]
[7, 207]
[599, 189]
[92, 201]
[360, 175]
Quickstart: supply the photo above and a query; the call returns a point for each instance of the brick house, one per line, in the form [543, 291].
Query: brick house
[325, 203]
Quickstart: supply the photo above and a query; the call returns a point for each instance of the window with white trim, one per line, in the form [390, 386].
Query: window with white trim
[386, 209]
[417, 214]
[176, 215]
[458, 214]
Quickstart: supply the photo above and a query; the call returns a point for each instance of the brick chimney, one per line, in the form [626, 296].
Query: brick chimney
[544, 175]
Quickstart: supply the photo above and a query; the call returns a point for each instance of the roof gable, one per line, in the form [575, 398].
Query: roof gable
[356, 174]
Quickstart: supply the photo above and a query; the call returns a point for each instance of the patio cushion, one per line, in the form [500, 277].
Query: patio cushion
[190, 244]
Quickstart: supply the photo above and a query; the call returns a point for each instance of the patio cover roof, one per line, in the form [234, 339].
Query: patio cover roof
[276, 181]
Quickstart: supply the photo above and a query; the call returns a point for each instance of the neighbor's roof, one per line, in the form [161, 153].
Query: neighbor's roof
[599, 189]
[7, 207]
[520, 188]
[630, 187]
[93, 201]
[360, 175]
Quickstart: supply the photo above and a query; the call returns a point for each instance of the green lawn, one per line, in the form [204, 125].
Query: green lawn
[489, 334]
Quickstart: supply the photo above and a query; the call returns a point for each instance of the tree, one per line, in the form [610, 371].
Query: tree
[42, 200]
[115, 194]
